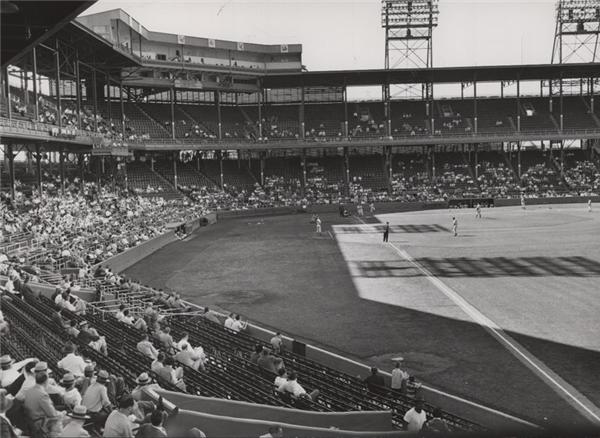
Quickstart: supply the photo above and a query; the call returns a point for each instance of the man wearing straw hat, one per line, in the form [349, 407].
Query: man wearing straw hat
[71, 397]
[96, 399]
[75, 427]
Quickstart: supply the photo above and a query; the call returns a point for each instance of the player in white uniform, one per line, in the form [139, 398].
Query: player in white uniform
[318, 222]
[478, 211]
[523, 201]
[455, 226]
[372, 208]
[590, 205]
[359, 210]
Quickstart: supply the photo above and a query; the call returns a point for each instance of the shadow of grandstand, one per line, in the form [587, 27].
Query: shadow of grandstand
[378, 228]
[574, 266]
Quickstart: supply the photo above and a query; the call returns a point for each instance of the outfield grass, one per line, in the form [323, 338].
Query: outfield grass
[353, 295]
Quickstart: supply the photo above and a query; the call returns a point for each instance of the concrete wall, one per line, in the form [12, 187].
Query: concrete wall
[216, 425]
[128, 258]
[48, 289]
[396, 207]
[355, 421]
[539, 201]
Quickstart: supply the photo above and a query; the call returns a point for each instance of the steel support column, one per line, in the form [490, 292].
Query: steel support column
[11, 169]
[38, 168]
[260, 123]
[175, 156]
[78, 88]
[218, 102]
[122, 110]
[519, 104]
[347, 170]
[57, 72]
[62, 170]
[107, 98]
[36, 105]
[7, 93]
[301, 114]
[95, 94]
[222, 179]
[475, 115]
[303, 180]
[345, 98]
[172, 99]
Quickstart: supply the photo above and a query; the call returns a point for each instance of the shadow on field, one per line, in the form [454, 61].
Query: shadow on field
[378, 228]
[448, 267]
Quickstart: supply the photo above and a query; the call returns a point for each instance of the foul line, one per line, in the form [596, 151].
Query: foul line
[586, 407]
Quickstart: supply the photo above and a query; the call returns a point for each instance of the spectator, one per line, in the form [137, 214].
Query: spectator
[166, 339]
[146, 347]
[229, 321]
[24, 382]
[415, 417]
[277, 342]
[210, 315]
[74, 429]
[117, 423]
[155, 428]
[43, 419]
[171, 375]
[144, 382]
[188, 357]
[280, 379]
[275, 431]
[375, 381]
[71, 397]
[237, 325]
[158, 364]
[268, 362]
[436, 426]
[72, 362]
[295, 389]
[7, 430]
[72, 330]
[399, 377]
[96, 400]
[256, 354]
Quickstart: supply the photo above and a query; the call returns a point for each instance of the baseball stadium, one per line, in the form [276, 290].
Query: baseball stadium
[205, 237]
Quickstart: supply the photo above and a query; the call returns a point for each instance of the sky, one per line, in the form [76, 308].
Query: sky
[338, 34]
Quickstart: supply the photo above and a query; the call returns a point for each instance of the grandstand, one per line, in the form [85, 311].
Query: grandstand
[119, 141]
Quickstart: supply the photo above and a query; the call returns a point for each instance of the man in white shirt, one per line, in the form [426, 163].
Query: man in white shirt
[229, 321]
[72, 363]
[71, 397]
[281, 378]
[119, 315]
[398, 376]
[237, 325]
[294, 388]
[277, 342]
[415, 417]
[146, 347]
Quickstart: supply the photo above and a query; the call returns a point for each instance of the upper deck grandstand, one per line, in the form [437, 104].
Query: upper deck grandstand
[118, 139]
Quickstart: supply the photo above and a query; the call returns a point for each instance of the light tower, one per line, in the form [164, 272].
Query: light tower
[409, 28]
[577, 31]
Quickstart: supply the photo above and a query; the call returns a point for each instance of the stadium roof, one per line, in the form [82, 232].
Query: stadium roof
[30, 22]
[433, 75]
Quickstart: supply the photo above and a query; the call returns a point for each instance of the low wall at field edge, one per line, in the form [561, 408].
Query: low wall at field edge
[124, 260]
[355, 421]
[396, 206]
[214, 425]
